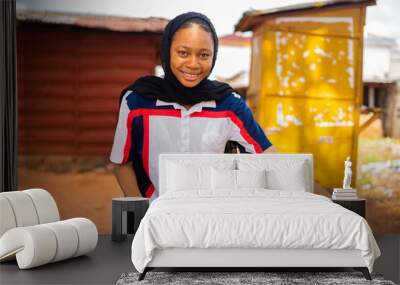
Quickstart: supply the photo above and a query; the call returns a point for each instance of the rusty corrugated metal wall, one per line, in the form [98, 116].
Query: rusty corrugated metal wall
[69, 82]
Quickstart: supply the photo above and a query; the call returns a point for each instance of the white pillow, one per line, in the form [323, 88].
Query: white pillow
[181, 177]
[282, 174]
[237, 179]
[293, 180]
[223, 179]
[251, 178]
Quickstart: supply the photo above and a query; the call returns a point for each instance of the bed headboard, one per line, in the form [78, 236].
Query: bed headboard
[211, 158]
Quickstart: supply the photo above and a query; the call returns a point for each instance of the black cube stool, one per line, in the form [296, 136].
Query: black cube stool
[356, 205]
[127, 212]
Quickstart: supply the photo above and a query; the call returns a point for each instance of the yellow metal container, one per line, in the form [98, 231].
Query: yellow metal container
[306, 82]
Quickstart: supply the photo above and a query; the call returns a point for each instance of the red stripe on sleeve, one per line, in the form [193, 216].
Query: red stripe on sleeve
[128, 142]
[149, 191]
[145, 151]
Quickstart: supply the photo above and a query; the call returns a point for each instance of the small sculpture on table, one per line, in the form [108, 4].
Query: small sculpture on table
[345, 193]
[347, 174]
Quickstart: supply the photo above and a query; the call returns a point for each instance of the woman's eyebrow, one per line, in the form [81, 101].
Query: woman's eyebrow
[183, 47]
[189, 48]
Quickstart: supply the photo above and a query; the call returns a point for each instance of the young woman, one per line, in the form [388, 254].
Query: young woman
[182, 112]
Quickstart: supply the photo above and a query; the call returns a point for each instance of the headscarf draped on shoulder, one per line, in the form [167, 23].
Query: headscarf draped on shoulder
[169, 89]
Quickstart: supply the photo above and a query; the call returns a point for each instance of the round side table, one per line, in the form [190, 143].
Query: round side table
[127, 212]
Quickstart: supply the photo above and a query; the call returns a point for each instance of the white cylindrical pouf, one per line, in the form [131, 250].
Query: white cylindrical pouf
[31, 232]
[34, 245]
[7, 218]
[45, 205]
[23, 207]
[67, 240]
[87, 234]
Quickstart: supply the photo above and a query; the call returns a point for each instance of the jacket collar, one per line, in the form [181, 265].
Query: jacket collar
[195, 108]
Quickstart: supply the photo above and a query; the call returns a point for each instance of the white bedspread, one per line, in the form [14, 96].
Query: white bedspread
[253, 218]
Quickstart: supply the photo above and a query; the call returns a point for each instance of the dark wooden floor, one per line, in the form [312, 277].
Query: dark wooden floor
[111, 259]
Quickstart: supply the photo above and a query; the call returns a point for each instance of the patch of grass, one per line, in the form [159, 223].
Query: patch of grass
[378, 149]
[377, 142]
[371, 158]
[365, 179]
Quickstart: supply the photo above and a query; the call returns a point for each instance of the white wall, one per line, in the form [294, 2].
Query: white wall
[376, 63]
[395, 66]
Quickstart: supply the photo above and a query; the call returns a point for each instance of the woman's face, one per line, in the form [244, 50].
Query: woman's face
[191, 55]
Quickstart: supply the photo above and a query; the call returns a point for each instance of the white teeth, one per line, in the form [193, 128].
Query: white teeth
[190, 76]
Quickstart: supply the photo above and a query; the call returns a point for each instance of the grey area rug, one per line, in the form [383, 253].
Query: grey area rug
[231, 278]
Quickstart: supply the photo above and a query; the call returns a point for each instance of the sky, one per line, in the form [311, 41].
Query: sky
[382, 19]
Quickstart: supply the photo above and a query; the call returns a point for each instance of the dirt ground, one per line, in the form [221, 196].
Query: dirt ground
[83, 187]
[78, 193]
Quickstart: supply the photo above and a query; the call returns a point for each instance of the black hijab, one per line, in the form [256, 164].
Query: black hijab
[169, 89]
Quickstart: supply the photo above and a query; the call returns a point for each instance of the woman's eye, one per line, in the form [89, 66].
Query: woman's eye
[182, 53]
[204, 55]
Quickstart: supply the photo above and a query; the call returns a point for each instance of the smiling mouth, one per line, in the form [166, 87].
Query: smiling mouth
[190, 77]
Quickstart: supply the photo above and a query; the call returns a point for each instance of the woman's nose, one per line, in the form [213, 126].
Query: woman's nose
[193, 62]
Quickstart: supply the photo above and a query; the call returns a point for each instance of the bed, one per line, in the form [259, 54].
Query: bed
[247, 210]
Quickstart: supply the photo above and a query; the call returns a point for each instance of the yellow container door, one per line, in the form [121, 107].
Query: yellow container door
[306, 70]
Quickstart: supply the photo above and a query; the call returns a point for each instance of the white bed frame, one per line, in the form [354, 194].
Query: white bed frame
[246, 258]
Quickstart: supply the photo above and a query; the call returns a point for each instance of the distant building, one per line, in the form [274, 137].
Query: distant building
[233, 63]
[381, 76]
[380, 62]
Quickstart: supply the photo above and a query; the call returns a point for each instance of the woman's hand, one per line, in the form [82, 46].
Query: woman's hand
[126, 178]
[271, 149]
